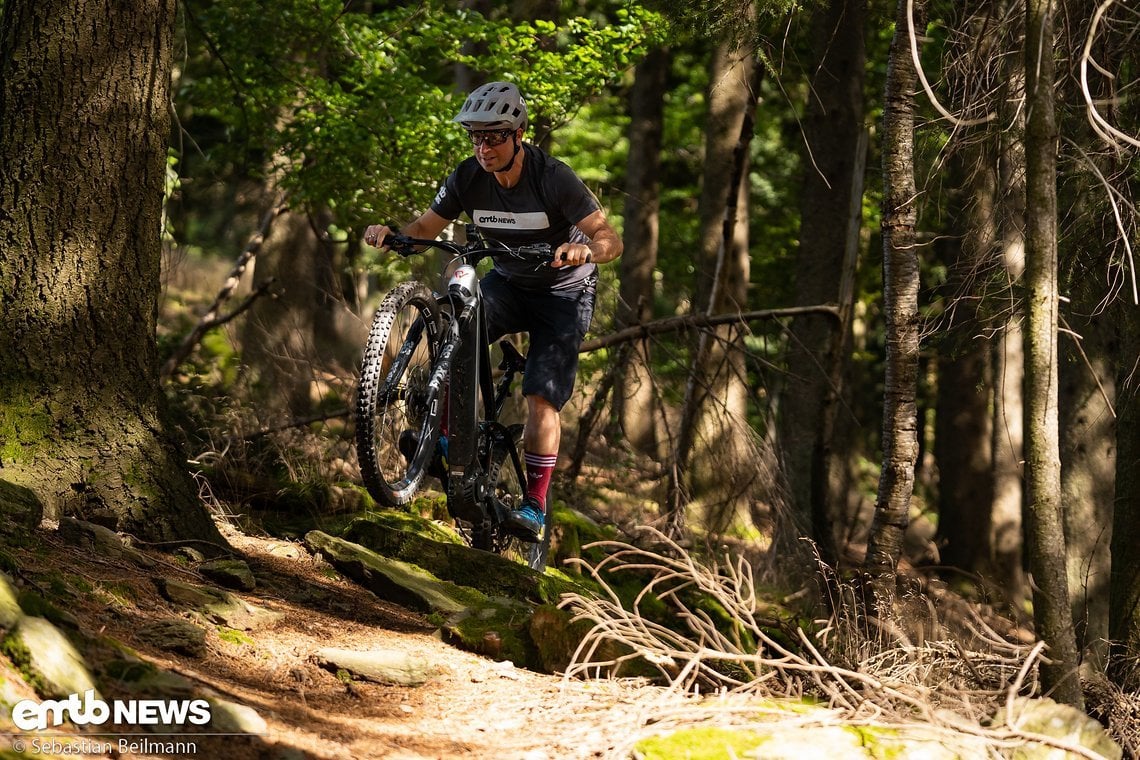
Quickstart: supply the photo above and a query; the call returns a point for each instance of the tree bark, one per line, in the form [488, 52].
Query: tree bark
[279, 339]
[900, 296]
[84, 123]
[1088, 466]
[830, 217]
[1005, 531]
[634, 405]
[731, 92]
[1046, 538]
[964, 433]
[1124, 587]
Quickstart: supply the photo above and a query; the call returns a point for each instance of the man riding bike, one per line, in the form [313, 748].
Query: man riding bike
[516, 193]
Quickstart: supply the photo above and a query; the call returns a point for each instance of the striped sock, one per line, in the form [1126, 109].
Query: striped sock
[539, 468]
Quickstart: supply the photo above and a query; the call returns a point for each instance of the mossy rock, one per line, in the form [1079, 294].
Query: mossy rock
[47, 659]
[468, 618]
[498, 628]
[1046, 717]
[10, 610]
[411, 522]
[701, 744]
[20, 505]
[797, 742]
[392, 579]
[489, 573]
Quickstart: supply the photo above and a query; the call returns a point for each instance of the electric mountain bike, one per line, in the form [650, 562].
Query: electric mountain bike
[428, 402]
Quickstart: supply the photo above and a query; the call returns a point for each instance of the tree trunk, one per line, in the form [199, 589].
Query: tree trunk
[964, 432]
[830, 217]
[1046, 538]
[900, 296]
[84, 122]
[730, 95]
[634, 400]
[1005, 532]
[279, 340]
[1088, 465]
[1124, 591]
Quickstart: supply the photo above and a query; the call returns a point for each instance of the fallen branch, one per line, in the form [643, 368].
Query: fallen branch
[674, 324]
[923, 690]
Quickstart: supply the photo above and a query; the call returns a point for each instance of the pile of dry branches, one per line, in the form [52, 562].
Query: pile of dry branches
[715, 635]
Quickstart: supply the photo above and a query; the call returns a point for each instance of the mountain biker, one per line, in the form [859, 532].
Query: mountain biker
[518, 194]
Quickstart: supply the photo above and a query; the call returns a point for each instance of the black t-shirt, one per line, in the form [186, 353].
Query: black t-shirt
[543, 207]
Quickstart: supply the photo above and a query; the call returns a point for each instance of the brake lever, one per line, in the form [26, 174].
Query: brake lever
[401, 244]
[539, 251]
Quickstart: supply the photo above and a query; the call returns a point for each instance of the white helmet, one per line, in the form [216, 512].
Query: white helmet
[497, 105]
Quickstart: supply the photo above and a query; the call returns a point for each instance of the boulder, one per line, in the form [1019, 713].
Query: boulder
[218, 606]
[231, 573]
[403, 537]
[1045, 717]
[391, 579]
[20, 505]
[10, 612]
[175, 635]
[47, 658]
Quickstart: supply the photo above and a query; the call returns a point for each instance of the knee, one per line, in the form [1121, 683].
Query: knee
[541, 406]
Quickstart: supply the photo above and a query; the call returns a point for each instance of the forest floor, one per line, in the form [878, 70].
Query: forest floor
[472, 707]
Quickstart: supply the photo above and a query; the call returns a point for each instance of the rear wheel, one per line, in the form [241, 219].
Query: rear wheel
[395, 395]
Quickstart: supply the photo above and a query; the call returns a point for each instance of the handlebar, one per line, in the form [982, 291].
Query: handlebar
[473, 251]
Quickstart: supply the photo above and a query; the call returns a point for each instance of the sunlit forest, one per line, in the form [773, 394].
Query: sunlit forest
[864, 375]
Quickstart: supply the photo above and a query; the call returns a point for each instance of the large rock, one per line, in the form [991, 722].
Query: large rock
[402, 537]
[101, 541]
[10, 612]
[1068, 725]
[47, 658]
[20, 505]
[472, 618]
[391, 579]
[218, 606]
[174, 635]
[232, 573]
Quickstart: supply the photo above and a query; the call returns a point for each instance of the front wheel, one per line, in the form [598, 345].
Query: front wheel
[397, 405]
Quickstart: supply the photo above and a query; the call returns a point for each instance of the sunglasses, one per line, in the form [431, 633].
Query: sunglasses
[491, 138]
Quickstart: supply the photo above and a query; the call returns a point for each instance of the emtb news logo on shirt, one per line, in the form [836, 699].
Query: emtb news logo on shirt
[30, 715]
[526, 220]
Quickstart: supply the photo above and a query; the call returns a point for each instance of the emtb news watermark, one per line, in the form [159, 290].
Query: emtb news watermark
[89, 709]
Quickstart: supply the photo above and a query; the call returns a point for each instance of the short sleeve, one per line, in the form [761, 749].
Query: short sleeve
[573, 197]
[446, 202]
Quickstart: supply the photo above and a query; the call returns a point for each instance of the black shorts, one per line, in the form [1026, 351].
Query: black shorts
[557, 322]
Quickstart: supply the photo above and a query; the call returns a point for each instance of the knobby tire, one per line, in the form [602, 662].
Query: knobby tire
[395, 394]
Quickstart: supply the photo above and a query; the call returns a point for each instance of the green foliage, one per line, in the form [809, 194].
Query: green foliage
[352, 110]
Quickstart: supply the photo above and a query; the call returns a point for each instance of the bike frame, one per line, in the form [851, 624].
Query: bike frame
[462, 375]
[471, 385]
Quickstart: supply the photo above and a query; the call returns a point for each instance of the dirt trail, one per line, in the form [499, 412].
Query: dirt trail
[473, 707]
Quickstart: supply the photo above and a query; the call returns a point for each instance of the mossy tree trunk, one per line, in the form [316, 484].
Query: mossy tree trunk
[84, 123]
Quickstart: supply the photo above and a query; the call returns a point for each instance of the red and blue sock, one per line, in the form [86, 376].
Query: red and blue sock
[539, 469]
